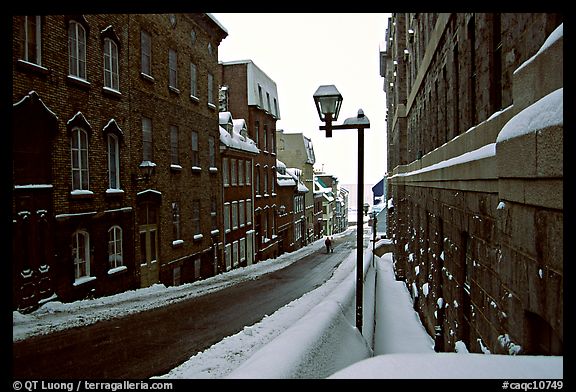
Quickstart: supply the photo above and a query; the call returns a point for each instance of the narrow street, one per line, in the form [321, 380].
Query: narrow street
[153, 342]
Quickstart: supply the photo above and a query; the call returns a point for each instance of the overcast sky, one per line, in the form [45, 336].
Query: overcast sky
[303, 51]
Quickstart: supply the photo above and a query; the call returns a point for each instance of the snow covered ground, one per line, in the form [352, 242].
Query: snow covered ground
[311, 337]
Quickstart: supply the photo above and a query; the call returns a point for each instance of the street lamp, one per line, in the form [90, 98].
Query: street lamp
[328, 101]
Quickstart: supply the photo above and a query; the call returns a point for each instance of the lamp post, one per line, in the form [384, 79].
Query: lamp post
[328, 101]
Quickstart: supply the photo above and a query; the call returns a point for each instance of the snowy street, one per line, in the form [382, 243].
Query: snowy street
[313, 336]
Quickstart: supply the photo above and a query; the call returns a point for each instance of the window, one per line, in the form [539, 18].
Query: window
[212, 150]
[265, 180]
[234, 215]
[175, 221]
[79, 159]
[249, 211]
[81, 254]
[242, 213]
[214, 214]
[113, 162]
[242, 249]
[248, 171]
[265, 134]
[210, 89]
[111, 73]
[196, 216]
[193, 81]
[260, 100]
[146, 53]
[268, 102]
[275, 107]
[32, 45]
[195, 151]
[234, 171]
[172, 69]
[77, 50]
[174, 145]
[257, 184]
[235, 253]
[240, 172]
[146, 139]
[272, 181]
[226, 217]
[225, 175]
[256, 131]
[115, 258]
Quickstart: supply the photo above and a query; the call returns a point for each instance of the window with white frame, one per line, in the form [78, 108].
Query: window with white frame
[265, 135]
[234, 215]
[235, 253]
[79, 150]
[225, 175]
[273, 180]
[226, 217]
[195, 149]
[32, 42]
[174, 145]
[240, 172]
[113, 162]
[211, 89]
[256, 132]
[242, 249]
[257, 179]
[176, 235]
[193, 81]
[146, 53]
[111, 69]
[76, 50]
[81, 254]
[146, 139]
[228, 256]
[265, 179]
[242, 212]
[234, 171]
[173, 68]
[115, 256]
[249, 211]
[248, 172]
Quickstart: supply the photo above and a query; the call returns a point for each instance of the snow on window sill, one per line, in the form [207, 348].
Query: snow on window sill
[83, 280]
[196, 169]
[111, 91]
[32, 67]
[198, 237]
[113, 191]
[194, 98]
[215, 232]
[117, 269]
[78, 81]
[178, 243]
[175, 168]
[81, 194]
[147, 77]
[211, 105]
[174, 89]
[213, 170]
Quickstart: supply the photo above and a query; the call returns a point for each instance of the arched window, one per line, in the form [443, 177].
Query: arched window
[76, 50]
[115, 254]
[81, 254]
[79, 150]
[113, 162]
[111, 69]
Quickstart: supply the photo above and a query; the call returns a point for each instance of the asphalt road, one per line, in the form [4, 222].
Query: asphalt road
[151, 343]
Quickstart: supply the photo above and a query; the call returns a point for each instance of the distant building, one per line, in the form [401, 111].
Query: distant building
[475, 141]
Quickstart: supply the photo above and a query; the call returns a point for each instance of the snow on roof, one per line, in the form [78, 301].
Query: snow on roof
[285, 180]
[553, 37]
[237, 141]
[546, 112]
[224, 118]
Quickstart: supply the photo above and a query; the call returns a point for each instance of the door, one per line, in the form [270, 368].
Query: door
[148, 231]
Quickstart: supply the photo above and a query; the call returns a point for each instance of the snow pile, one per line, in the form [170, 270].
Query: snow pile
[544, 113]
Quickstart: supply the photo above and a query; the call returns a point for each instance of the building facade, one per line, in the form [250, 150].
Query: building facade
[475, 187]
[297, 151]
[252, 95]
[106, 98]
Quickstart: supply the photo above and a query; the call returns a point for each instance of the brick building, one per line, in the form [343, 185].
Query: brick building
[103, 97]
[252, 95]
[237, 152]
[287, 190]
[477, 220]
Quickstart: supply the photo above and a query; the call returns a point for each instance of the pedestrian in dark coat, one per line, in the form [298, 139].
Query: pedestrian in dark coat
[328, 244]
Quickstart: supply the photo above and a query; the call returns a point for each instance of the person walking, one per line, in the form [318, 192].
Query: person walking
[328, 244]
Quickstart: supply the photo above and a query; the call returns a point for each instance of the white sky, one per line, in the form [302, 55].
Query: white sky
[300, 52]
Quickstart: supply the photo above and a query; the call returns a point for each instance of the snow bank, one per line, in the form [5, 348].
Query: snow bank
[455, 366]
[322, 342]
